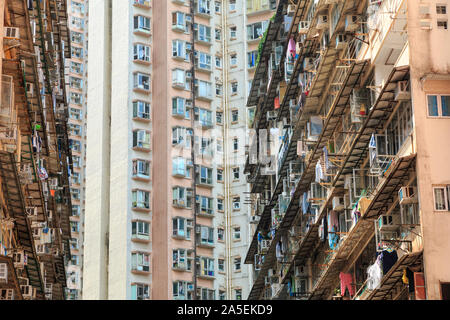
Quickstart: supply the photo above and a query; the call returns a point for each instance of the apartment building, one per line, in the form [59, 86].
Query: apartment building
[35, 157]
[77, 83]
[165, 190]
[354, 201]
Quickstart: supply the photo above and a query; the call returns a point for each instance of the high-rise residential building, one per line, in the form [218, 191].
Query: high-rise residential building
[166, 137]
[355, 202]
[76, 80]
[35, 156]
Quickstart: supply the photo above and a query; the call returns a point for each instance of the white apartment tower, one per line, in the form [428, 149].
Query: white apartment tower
[164, 221]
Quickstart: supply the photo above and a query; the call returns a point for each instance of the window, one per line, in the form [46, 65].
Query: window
[181, 228]
[141, 169]
[77, 37]
[181, 22]
[234, 115]
[207, 267]
[203, 61]
[181, 49]
[204, 205]
[76, 210]
[232, 4]
[222, 295]
[237, 264]
[181, 107]
[75, 83]
[203, 6]
[141, 81]
[218, 62]
[204, 176]
[181, 136]
[141, 24]
[74, 243]
[77, 23]
[237, 233]
[441, 198]
[206, 146]
[182, 290]
[220, 204]
[140, 230]
[141, 52]
[141, 139]
[202, 33]
[76, 98]
[182, 197]
[206, 235]
[441, 9]
[236, 173]
[181, 79]
[203, 116]
[220, 234]
[75, 193]
[235, 144]
[219, 90]
[236, 203]
[256, 30]
[234, 88]
[238, 294]
[217, 7]
[218, 34]
[77, 52]
[141, 110]
[219, 117]
[181, 167]
[438, 105]
[233, 33]
[74, 226]
[76, 67]
[203, 89]
[75, 113]
[442, 24]
[219, 174]
[179, 259]
[221, 265]
[141, 199]
[140, 262]
[139, 291]
[233, 60]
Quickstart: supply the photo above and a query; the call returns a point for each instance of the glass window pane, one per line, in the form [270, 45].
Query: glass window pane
[445, 101]
[432, 106]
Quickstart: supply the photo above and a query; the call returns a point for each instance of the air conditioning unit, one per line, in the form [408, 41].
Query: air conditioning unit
[3, 273]
[254, 219]
[198, 229]
[30, 89]
[322, 21]
[407, 195]
[28, 292]
[11, 32]
[6, 294]
[351, 23]
[31, 211]
[188, 104]
[338, 203]
[271, 115]
[303, 26]
[36, 233]
[341, 41]
[402, 91]
[190, 287]
[291, 10]
[265, 245]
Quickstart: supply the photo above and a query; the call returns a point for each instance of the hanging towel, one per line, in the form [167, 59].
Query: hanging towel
[374, 275]
[277, 102]
[291, 48]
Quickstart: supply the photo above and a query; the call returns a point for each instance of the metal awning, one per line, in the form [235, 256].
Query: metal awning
[394, 275]
[16, 208]
[359, 236]
[378, 114]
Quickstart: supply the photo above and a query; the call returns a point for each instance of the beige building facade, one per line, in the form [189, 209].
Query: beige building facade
[148, 62]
